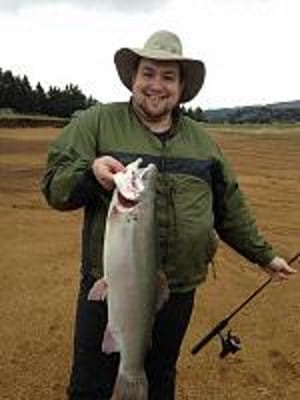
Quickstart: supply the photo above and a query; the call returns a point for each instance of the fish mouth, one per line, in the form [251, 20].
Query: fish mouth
[130, 184]
[126, 203]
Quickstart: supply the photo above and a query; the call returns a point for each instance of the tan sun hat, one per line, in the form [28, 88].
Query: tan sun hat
[162, 46]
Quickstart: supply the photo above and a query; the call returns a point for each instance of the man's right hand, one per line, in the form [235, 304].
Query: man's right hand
[104, 169]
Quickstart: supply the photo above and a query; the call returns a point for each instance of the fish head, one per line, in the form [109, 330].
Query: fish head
[148, 177]
[132, 185]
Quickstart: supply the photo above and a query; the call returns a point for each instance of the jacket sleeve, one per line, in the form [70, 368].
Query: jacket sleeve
[234, 221]
[68, 182]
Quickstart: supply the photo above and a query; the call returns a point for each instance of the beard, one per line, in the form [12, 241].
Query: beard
[152, 110]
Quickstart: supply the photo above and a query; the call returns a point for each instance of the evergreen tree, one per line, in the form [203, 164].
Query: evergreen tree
[40, 99]
[16, 93]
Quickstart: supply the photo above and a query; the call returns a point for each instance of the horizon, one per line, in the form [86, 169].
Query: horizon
[194, 106]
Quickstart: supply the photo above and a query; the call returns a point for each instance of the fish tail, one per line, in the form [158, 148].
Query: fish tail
[131, 387]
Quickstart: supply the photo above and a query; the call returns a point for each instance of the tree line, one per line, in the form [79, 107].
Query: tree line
[249, 114]
[17, 93]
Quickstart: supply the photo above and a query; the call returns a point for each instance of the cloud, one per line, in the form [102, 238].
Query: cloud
[117, 5]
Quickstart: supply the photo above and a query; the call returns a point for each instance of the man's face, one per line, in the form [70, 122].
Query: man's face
[156, 88]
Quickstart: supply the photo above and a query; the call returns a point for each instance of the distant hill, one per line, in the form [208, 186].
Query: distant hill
[288, 111]
[286, 104]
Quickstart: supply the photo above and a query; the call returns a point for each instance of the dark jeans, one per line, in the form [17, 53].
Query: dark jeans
[94, 372]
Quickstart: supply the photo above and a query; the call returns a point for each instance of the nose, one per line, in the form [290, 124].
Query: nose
[157, 83]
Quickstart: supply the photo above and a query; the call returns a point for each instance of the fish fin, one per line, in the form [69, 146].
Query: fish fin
[131, 387]
[163, 291]
[109, 343]
[98, 291]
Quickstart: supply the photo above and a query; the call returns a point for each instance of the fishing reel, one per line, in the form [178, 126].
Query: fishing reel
[230, 344]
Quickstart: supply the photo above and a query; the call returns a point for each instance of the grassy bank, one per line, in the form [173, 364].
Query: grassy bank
[28, 121]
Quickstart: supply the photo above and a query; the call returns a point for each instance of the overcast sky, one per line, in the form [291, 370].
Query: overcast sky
[251, 48]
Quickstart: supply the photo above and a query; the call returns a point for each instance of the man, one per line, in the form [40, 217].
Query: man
[197, 194]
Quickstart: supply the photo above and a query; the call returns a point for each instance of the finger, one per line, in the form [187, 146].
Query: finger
[114, 165]
[108, 184]
[282, 277]
[278, 275]
[118, 167]
[287, 270]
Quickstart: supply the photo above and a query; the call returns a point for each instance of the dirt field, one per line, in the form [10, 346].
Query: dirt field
[40, 263]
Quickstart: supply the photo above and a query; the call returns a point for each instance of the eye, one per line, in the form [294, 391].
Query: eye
[169, 77]
[147, 74]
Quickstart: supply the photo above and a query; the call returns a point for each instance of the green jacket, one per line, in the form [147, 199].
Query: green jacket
[197, 193]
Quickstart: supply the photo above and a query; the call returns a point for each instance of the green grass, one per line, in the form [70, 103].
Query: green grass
[268, 129]
[14, 116]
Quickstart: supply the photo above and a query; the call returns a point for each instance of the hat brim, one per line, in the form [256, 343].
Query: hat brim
[193, 70]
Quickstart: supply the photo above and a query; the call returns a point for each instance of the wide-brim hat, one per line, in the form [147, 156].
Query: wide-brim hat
[162, 46]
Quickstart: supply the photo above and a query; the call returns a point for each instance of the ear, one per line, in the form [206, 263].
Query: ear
[181, 88]
[134, 72]
[133, 76]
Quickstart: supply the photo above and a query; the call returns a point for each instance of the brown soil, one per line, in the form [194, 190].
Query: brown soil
[40, 250]
[14, 121]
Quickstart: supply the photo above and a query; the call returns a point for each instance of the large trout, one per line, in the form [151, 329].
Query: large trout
[130, 277]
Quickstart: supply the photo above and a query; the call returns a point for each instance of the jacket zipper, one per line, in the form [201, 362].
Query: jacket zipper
[165, 252]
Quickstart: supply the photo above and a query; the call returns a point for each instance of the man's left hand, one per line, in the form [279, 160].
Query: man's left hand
[279, 269]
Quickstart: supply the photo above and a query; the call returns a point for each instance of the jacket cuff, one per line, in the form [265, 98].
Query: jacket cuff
[87, 189]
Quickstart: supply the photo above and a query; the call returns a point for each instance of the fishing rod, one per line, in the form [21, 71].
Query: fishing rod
[232, 343]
